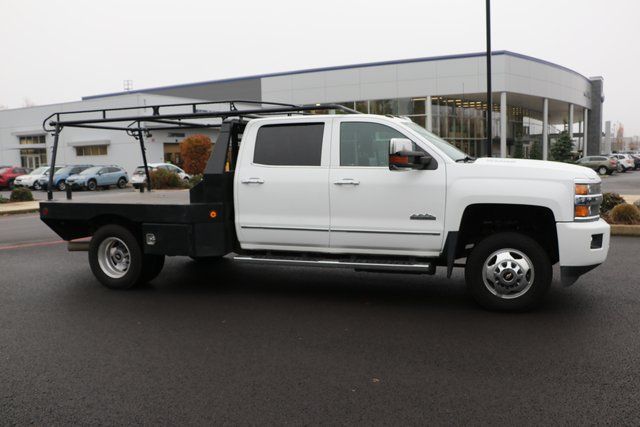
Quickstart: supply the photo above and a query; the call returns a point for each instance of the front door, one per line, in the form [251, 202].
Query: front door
[282, 194]
[378, 210]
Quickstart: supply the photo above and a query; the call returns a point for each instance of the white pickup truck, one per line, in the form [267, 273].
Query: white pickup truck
[360, 191]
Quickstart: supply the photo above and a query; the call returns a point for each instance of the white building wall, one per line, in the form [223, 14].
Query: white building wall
[452, 76]
[122, 149]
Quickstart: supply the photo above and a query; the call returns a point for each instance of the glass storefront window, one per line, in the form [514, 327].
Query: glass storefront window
[32, 139]
[384, 106]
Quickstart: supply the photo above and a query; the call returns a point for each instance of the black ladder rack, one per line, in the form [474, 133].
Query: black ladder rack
[164, 117]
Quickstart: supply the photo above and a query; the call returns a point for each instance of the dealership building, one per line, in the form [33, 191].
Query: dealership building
[533, 101]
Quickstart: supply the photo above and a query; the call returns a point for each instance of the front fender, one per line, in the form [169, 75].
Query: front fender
[554, 195]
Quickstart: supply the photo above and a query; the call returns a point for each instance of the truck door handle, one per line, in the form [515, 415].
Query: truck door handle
[253, 181]
[347, 181]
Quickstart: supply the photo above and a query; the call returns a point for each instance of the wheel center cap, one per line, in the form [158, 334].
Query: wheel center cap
[508, 276]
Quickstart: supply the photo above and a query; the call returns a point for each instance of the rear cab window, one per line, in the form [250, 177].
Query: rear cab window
[289, 144]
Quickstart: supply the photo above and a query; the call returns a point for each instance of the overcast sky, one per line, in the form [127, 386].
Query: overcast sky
[60, 50]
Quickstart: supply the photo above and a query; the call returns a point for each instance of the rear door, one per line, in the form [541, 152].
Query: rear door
[281, 185]
[378, 210]
[112, 176]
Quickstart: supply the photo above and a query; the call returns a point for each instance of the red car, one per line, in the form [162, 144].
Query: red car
[9, 173]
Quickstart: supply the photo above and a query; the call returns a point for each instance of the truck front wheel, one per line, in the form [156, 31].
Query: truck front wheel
[508, 271]
[116, 258]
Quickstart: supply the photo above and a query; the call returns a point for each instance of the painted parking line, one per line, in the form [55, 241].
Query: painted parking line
[32, 244]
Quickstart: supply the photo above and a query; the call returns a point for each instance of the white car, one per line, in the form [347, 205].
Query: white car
[625, 161]
[139, 178]
[31, 179]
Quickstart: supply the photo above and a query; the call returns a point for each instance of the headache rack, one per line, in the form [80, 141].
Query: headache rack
[140, 121]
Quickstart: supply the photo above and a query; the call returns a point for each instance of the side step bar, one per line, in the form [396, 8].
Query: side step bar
[78, 246]
[397, 266]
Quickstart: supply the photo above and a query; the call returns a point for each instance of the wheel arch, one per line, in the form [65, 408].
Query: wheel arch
[483, 219]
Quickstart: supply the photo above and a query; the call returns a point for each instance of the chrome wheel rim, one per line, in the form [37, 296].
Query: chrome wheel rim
[114, 257]
[508, 273]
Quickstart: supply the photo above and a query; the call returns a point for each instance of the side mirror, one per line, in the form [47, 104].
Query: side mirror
[402, 156]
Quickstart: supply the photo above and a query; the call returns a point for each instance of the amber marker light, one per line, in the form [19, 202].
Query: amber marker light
[582, 189]
[213, 214]
[582, 211]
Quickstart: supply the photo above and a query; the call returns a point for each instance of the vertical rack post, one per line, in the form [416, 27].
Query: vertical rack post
[144, 158]
[489, 98]
[52, 168]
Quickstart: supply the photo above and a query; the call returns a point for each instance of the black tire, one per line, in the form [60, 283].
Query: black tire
[92, 185]
[602, 170]
[62, 186]
[10, 185]
[134, 272]
[122, 183]
[37, 186]
[530, 297]
[151, 267]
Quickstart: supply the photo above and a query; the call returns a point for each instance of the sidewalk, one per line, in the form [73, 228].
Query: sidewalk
[18, 207]
[630, 198]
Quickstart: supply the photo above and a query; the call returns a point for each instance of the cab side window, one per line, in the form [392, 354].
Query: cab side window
[365, 143]
[289, 145]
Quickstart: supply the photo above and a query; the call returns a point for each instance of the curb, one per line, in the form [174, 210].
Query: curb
[19, 211]
[625, 230]
[19, 208]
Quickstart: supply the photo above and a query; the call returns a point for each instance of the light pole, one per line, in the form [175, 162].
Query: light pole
[489, 101]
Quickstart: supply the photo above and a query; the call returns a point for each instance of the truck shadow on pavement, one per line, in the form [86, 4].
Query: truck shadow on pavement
[185, 277]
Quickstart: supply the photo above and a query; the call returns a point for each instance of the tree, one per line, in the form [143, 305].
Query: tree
[561, 150]
[535, 152]
[518, 151]
[195, 151]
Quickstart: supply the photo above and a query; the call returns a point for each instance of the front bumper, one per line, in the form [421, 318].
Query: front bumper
[582, 246]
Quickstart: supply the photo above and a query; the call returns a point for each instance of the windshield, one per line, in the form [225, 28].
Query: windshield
[41, 170]
[447, 148]
[90, 171]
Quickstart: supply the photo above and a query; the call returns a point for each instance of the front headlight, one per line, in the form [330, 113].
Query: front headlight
[587, 201]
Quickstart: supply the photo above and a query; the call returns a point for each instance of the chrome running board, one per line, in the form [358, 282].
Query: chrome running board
[364, 264]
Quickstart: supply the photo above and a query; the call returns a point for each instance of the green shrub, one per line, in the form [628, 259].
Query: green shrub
[3, 199]
[21, 194]
[195, 180]
[162, 179]
[625, 214]
[610, 201]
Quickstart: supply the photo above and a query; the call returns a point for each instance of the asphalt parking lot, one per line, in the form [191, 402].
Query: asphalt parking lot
[227, 344]
[622, 183]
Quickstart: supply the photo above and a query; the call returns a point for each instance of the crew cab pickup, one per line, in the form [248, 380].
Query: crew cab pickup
[366, 192]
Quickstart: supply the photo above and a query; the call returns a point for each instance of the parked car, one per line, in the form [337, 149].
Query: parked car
[61, 175]
[602, 164]
[625, 162]
[8, 174]
[636, 160]
[99, 176]
[139, 178]
[31, 180]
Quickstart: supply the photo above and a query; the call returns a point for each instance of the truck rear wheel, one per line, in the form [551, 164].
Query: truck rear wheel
[116, 258]
[508, 271]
